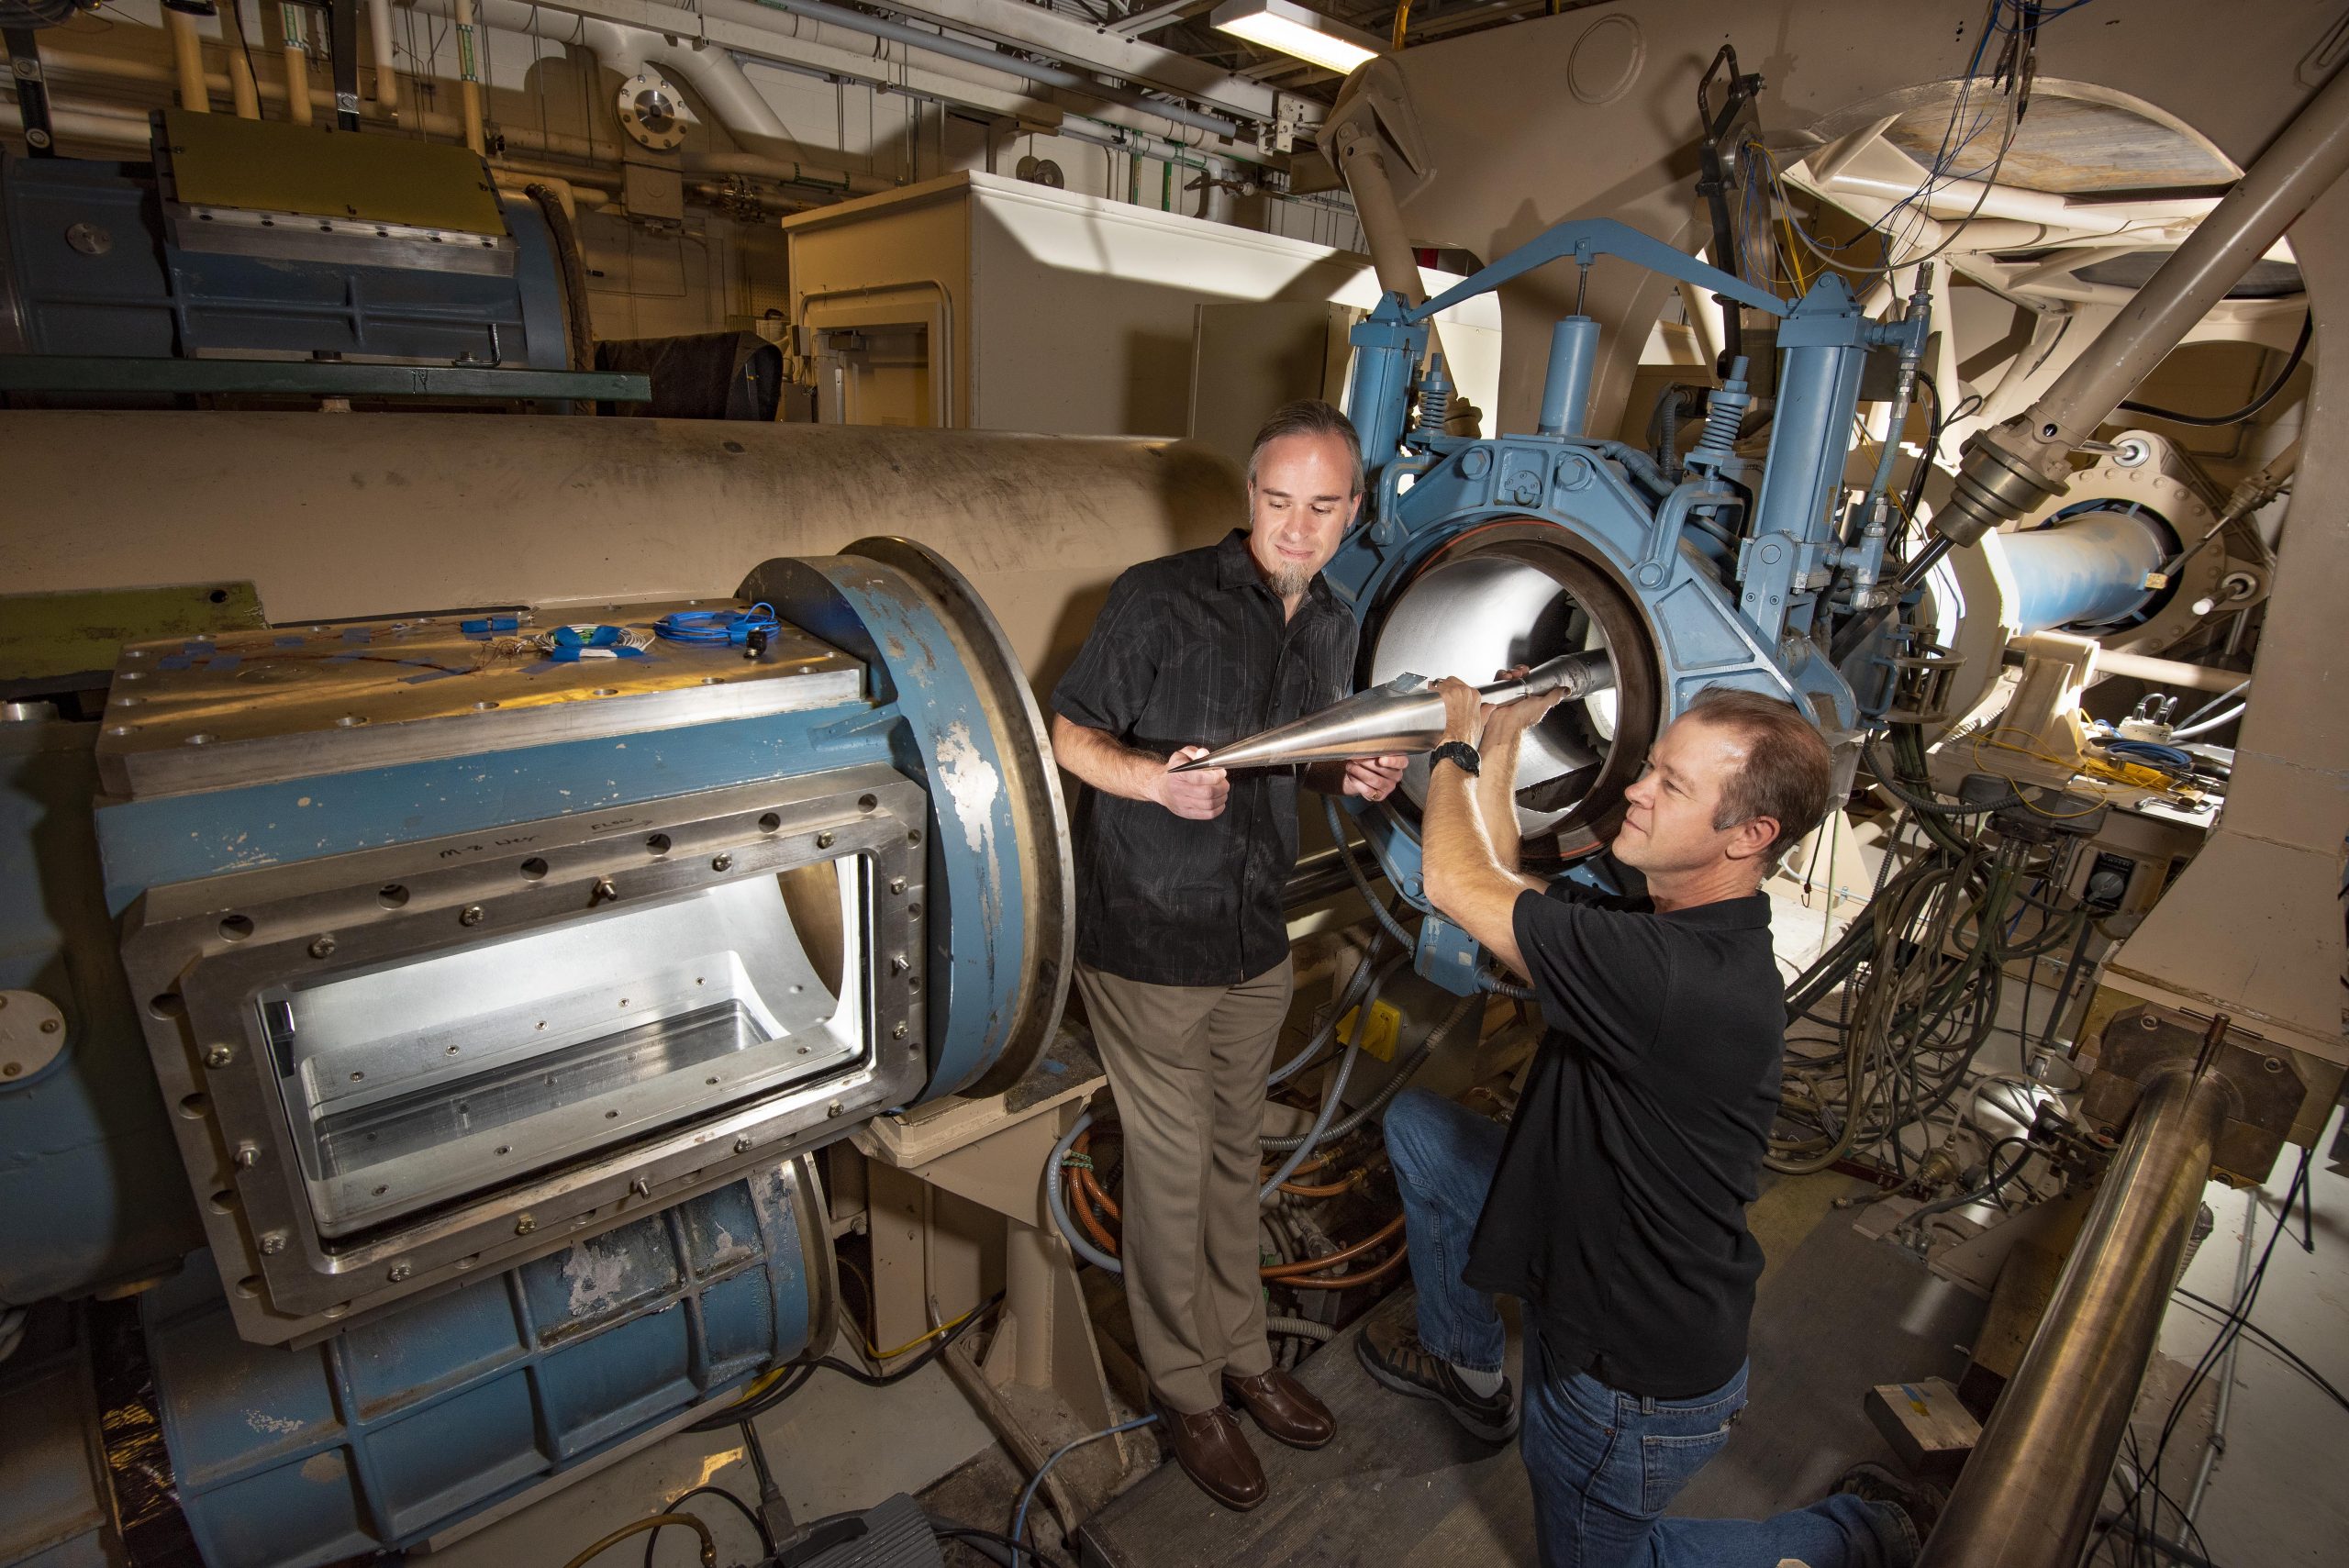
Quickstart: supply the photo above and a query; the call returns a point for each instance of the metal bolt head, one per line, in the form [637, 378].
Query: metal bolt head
[50, 1026]
[2272, 1063]
[219, 1056]
[9, 1070]
[824, 840]
[322, 947]
[272, 1243]
[524, 1225]
[899, 963]
[833, 1109]
[898, 1033]
[399, 1272]
[722, 863]
[2149, 1022]
[248, 1155]
[743, 1144]
[896, 885]
[471, 915]
[641, 1186]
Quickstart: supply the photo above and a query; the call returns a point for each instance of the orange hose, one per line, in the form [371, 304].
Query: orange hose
[1347, 1281]
[1385, 1233]
[1347, 1184]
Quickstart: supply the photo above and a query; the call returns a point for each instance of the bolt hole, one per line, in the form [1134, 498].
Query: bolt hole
[350, 720]
[913, 836]
[868, 803]
[218, 595]
[224, 1202]
[913, 911]
[605, 692]
[658, 844]
[611, 1115]
[391, 896]
[534, 868]
[236, 928]
[193, 1107]
[769, 822]
[505, 1149]
[358, 1077]
[249, 1286]
[170, 1005]
[381, 1191]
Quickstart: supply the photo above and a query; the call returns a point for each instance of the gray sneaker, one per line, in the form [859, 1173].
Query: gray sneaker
[1392, 1354]
[1917, 1502]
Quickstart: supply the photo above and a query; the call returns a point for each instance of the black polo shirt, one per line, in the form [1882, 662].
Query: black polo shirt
[1618, 1213]
[1192, 650]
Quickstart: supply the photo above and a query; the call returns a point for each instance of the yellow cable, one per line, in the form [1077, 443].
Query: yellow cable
[1982, 737]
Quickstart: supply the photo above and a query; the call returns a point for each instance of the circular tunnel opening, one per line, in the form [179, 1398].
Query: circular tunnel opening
[1520, 593]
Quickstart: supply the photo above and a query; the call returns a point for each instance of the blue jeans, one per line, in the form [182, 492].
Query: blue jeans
[1603, 1464]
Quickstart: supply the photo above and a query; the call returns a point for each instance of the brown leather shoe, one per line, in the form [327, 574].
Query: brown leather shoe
[1214, 1452]
[1284, 1407]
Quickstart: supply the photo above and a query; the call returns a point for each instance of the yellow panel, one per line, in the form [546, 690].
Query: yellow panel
[271, 166]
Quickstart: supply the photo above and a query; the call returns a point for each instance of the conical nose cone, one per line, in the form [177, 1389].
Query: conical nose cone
[1406, 715]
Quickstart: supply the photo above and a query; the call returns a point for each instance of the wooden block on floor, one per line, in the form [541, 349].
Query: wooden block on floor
[1926, 1426]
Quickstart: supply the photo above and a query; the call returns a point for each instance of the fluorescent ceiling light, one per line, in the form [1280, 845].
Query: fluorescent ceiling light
[1293, 29]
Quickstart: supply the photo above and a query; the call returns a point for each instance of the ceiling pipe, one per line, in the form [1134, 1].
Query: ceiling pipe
[187, 56]
[387, 75]
[1029, 69]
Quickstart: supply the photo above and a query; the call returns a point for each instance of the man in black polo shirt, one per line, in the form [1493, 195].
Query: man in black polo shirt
[1614, 1204]
[1182, 950]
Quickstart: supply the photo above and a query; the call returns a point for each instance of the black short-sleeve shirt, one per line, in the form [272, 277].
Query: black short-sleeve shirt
[1192, 649]
[1618, 1213]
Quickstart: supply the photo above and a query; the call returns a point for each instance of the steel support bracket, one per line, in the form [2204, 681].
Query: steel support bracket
[2138, 1044]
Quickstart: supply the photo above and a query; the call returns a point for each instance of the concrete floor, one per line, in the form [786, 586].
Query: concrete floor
[837, 1446]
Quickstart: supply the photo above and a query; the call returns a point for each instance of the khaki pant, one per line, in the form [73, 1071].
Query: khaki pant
[1187, 1064]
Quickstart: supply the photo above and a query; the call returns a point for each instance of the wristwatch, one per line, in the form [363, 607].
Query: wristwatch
[1460, 754]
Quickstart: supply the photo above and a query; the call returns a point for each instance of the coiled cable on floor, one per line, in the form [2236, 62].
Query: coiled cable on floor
[1056, 1199]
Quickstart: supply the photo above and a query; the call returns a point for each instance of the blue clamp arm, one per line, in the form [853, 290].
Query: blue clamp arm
[1586, 240]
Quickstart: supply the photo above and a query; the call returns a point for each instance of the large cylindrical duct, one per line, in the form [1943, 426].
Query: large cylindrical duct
[422, 511]
[2087, 570]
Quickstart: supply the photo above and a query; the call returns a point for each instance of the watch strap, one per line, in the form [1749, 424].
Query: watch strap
[1459, 753]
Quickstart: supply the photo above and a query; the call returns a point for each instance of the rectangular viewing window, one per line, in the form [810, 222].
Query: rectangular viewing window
[410, 1085]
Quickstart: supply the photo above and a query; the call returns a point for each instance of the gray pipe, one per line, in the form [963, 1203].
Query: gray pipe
[2011, 469]
[1011, 65]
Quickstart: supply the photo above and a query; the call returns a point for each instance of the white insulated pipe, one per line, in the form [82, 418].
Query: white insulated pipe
[387, 77]
[469, 72]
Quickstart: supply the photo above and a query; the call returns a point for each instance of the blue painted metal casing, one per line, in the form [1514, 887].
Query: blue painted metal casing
[90, 1189]
[384, 1433]
[139, 296]
[1002, 873]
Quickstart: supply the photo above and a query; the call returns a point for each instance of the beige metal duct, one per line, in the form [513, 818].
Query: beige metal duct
[388, 513]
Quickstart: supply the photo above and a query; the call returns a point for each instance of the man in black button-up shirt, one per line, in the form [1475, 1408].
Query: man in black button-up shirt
[1182, 950]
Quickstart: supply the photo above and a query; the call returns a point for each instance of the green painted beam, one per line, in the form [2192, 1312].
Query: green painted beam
[47, 640]
[311, 378]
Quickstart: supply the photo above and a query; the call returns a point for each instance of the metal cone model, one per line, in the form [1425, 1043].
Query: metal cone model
[1402, 717]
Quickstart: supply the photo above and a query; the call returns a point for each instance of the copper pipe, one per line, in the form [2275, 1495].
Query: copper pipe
[1347, 1281]
[1288, 1272]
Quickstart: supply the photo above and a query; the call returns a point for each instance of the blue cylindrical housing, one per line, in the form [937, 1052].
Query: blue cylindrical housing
[1573, 361]
[2086, 570]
